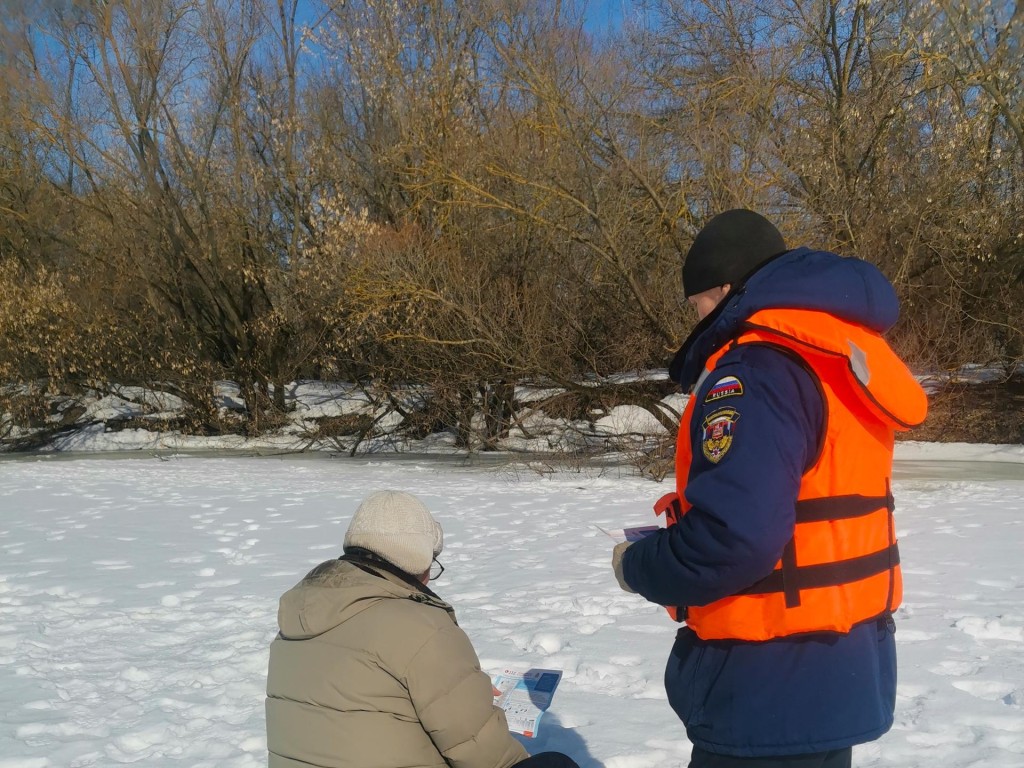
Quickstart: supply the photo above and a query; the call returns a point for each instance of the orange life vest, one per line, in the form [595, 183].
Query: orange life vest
[841, 566]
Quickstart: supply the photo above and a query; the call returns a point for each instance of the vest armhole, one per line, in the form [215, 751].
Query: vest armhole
[823, 430]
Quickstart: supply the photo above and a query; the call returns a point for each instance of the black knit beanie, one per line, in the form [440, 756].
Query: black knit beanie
[728, 248]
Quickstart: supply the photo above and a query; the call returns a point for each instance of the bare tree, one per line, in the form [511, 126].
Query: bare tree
[182, 119]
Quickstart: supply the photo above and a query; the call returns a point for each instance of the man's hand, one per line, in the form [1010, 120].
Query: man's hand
[617, 553]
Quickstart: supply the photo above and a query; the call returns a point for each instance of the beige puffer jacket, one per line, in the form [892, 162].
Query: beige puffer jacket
[371, 672]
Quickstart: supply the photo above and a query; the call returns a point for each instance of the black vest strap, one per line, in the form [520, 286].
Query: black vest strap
[840, 507]
[791, 577]
[826, 574]
[790, 585]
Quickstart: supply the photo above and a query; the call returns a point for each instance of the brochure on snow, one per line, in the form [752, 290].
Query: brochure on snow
[629, 534]
[525, 695]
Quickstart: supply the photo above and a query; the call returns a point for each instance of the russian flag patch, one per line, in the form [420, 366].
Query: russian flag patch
[729, 386]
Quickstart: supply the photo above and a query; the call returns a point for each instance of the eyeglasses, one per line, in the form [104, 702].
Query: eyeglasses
[436, 569]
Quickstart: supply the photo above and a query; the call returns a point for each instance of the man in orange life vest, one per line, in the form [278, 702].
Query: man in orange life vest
[780, 551]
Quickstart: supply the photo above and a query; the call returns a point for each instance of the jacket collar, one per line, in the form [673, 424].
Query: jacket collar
[376, 565]
[707, 337]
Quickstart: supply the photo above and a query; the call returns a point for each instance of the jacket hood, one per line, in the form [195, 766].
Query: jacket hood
[848, 288]
[334, 592]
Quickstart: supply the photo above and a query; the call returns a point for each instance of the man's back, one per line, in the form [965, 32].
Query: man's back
[368, 671]
[759, 684]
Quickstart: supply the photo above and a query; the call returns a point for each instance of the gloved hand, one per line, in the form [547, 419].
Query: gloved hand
[617, 553]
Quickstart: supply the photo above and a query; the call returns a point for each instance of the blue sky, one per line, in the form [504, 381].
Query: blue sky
[601, 16]
[605, 15]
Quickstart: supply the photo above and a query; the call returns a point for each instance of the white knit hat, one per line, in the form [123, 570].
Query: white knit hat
[396, 526]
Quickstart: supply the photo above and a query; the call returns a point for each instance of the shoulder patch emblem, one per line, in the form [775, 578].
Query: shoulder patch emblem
[729, 386]
[719, 428]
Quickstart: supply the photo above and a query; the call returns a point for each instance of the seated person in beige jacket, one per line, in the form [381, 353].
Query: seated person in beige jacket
[370, 669]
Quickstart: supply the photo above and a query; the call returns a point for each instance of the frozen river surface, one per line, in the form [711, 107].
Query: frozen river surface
[138, 600]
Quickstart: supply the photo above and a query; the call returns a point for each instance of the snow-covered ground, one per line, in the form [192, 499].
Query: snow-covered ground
[138, 600]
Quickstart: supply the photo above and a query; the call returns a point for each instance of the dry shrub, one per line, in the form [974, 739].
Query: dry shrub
[35, 315]
[991, 412]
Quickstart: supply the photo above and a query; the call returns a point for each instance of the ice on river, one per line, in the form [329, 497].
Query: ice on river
[138, 599]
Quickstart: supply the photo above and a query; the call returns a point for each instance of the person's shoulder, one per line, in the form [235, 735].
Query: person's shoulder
[761, 358]
[759, 379]
[398, 629]
[416, 616]
[747, 368]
